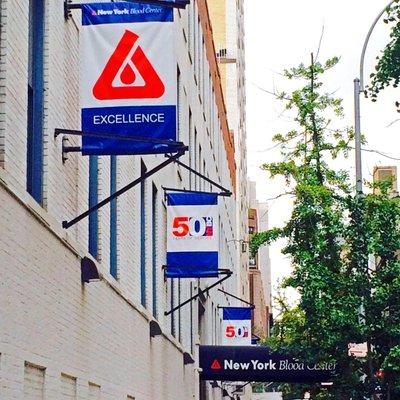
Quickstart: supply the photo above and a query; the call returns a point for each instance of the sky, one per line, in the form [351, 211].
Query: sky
[282, 34]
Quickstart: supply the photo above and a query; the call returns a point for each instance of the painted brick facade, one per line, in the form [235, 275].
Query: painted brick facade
[93, 340]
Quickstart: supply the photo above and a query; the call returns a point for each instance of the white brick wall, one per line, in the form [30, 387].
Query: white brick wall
[96, 333]
[2, 81]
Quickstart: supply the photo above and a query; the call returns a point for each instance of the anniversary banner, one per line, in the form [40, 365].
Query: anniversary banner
[192, 235]
[258, 364]
[236, 326]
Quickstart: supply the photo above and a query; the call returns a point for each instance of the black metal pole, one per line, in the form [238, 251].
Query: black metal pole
[75, 132]
[68, 224]
[227, 192]
[200, 292]
[72, 149]
[237, 298]
[168, 189]
[240, 387]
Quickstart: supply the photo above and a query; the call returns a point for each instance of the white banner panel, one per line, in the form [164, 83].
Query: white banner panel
[236, 326]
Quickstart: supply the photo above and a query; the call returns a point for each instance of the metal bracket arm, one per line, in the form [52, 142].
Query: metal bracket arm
[179, 146]
[237, 298]
[228, 274]
[74, 132]
[68, 224]
[168, 189]
[217, 185]
[240, 387]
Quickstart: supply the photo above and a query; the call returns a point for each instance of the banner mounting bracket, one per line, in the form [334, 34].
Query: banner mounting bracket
[237, 298]
[228, 273]
[168, 189]
[68, 224]
[76, 149]
[225, 191]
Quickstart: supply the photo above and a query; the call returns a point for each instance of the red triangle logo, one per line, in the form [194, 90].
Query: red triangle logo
[119, 78]
[215, 364]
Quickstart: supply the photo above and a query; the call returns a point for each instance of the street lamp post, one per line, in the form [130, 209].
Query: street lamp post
[358, 89]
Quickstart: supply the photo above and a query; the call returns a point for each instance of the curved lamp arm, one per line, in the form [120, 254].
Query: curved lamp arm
[366, 44]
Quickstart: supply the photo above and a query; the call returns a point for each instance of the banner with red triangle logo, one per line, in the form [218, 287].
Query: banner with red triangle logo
[128, 79]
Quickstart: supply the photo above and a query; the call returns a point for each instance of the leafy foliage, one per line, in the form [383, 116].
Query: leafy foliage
[331, 236]
[261, 238]
[387, 70]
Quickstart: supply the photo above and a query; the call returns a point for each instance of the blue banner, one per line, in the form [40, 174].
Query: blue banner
[192, 235]
[123, 13]
[128, 79]
[236, 313]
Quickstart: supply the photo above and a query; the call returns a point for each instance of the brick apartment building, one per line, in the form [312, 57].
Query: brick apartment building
[259, 268]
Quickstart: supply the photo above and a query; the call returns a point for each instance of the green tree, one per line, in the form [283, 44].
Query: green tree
[330, 237]
[387, 69]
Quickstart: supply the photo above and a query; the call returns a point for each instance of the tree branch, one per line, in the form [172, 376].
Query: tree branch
[280, 195]
[272, 93]
[315, 135]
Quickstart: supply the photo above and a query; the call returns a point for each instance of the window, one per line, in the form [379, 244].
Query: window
[195, 157]
[113, 218]
[216, 331]
[191, 319]
[33, 382]
[204, 173]
[34, 176]
[190, 146]
[154, 241]
[179, 104]
[93, 200]
[202, 67]
[68, 387]
[195, 33]
[198, 167]
[143, 170]
[172, 304]
[190, 11]
[179, 311]
[94, 391]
